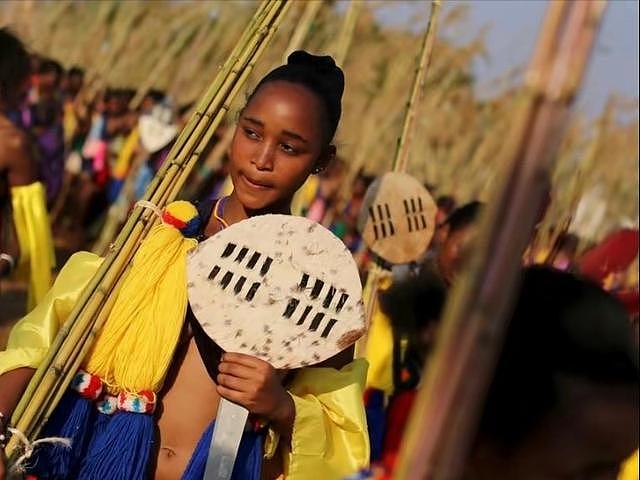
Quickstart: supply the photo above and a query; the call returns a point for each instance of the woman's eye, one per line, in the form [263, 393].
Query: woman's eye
[288, 149]
[251, 134]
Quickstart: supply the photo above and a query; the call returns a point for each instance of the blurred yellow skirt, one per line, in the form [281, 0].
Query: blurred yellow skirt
[33, 230]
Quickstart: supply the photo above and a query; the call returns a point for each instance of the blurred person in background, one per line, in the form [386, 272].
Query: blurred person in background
[26, 246]
[403, 330]
[563, 403]
[44, 119]
[345, 225]
[460, 230]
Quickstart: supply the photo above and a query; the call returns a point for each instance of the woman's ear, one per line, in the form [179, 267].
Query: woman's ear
[326, 157]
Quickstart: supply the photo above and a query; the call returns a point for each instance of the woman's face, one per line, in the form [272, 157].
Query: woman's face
[278, 141]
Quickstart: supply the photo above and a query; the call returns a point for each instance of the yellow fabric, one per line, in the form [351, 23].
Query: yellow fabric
[31, 337]
[123, 162]
[629, 470]
[305, 195]
[379, 348]
[330, 438]
[134, 349]
[33, 230]
[69, 121]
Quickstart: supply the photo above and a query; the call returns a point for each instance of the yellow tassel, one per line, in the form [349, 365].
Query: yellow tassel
[134, 350]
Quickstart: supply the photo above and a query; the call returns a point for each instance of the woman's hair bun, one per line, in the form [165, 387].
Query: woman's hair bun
[323, 63]
[318, 73]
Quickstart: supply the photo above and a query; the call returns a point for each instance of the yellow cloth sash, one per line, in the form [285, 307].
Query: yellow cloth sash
[69, 121]
[305, 195]
[33, 230]
[123, 162]
[330, 438]
[31, 337]
[379, 347]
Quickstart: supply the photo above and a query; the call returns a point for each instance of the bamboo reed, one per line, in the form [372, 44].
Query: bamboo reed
[211, 163]
[347, 31]
[450, 400]
[312, 7]
[404, 142]
[67, 351]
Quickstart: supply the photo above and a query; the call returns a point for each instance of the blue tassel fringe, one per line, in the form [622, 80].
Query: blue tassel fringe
[72, 418]
[122, 450]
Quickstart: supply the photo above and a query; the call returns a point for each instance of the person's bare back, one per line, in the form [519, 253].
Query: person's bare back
[16, 160]
[17, 167]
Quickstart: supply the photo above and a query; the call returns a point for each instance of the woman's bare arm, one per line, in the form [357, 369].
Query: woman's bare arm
[12, 386]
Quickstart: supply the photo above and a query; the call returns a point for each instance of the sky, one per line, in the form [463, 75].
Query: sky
[513, 28]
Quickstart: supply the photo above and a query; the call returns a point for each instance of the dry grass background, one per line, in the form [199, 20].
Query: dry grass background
[178, 47]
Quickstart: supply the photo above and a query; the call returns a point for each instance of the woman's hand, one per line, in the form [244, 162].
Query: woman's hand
[257, 386]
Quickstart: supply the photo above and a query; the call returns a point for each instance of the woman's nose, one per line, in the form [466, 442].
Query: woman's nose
[263, 159]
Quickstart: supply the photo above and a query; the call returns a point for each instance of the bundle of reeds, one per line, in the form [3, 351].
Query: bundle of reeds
[443, 421]
[75, 337]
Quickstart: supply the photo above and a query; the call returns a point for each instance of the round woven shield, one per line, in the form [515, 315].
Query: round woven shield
[278, 287]
[397, 220]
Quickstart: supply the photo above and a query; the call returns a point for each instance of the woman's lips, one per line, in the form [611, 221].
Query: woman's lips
[255, 184]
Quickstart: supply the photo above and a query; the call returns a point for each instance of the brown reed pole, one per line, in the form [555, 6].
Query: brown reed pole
[311, 9]
[345, 37]
[404, 141]
[444, 419]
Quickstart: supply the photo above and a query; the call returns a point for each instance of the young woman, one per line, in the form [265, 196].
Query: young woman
[315, 425]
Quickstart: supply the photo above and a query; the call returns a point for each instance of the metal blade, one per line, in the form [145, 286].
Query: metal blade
[227, 432]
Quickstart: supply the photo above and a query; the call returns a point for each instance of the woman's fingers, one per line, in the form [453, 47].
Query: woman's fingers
[236, 369]
[243, 359]
[232, 395]
[233, 383]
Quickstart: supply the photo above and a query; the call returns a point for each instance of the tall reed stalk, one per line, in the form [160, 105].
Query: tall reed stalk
[404, 142]
[311, 9]
[345, 37]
